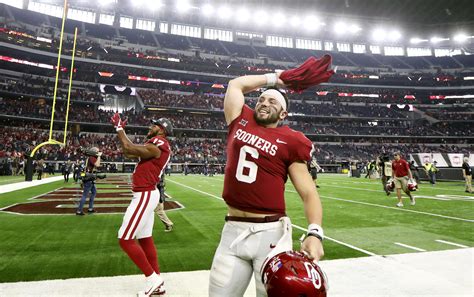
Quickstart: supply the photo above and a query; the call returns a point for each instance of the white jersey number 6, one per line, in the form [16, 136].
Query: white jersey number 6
[251, 176]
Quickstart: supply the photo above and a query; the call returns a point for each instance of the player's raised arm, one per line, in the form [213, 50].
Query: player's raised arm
[300, 178]
[312, 72]
[130, 149]
[234, 98]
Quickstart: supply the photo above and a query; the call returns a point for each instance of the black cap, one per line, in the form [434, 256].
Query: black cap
[165, 124]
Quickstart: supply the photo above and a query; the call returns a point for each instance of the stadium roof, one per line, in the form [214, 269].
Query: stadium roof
[432, 12]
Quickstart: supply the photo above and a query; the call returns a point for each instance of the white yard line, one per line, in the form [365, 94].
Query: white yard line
[295, 226]
[451, 243]
[340, 242]
[410, 247]
[331, 185]
[28, 184]
[392, 207]
[194, 189]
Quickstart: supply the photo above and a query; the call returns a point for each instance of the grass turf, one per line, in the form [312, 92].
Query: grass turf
[357, 215]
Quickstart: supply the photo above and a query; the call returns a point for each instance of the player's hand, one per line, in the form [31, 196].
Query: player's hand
[280, 83]
[313, 248]
[99, 154]
[117, 121]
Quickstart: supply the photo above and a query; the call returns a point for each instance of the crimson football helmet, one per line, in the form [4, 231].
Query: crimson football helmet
[292, 274]
[412, 185]
[390, 185]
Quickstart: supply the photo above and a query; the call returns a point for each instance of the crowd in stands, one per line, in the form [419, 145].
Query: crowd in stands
[329, 113]
[162, 98]
[227, 63]
[338, 112]
[18, 142]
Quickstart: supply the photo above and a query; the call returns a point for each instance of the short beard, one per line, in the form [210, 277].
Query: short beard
[268, 121]
[150, 135]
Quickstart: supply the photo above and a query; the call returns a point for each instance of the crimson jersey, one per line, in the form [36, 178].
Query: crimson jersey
[257, 163]
[147, 173]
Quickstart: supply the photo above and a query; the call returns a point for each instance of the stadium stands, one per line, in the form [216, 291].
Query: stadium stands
[375, 103]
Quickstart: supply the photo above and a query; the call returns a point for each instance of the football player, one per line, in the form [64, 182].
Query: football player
[139, 217]
[260, 157]
[385, 165]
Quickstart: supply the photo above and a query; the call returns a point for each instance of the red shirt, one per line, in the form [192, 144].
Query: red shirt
[400, 168]
[147, 173]
[90, 164]
[257, 163]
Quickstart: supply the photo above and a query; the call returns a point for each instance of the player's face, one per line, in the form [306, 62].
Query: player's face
[154, 131]
[396, 157]
[268, 111]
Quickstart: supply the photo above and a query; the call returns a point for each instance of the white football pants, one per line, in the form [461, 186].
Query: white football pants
[139, 218]
[242, 250]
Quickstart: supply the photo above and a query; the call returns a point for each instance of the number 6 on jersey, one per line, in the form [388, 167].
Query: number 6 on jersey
[251, 176]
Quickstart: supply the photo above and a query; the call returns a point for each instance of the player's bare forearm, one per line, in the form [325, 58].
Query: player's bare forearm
[248, 83]
[138, 151]
[125, 143]
[305, 187]
[130, 156]
[303, 183]
[234, 98]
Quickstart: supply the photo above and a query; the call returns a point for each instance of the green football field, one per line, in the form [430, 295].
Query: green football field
[359, 220]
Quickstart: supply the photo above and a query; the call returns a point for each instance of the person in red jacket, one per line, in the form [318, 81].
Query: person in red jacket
[401, 174]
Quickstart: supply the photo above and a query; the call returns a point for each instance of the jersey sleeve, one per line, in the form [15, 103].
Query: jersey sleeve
[302, 149]
[245, 115]
[160, 143]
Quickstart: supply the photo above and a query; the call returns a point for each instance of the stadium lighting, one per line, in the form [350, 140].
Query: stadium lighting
[260, 17]
[378, 34]
[416, 40]
[153, 5]
[224, 12]
[461, 37]
[295, 21]
[311, 23]
[354, 28]
[242, 15]
[207, 10]
[339, 28]
[278, 19]
[183, 6]
[438, 39]
[107, 2]
[395, 35]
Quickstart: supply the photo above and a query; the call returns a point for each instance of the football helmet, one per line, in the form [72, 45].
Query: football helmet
[390, 185]
[292, 274]
[165, 124]
[412, 185]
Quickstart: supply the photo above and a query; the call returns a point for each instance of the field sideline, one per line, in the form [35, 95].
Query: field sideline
[359, 221]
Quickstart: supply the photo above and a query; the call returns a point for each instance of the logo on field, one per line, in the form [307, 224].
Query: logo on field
[113, 196]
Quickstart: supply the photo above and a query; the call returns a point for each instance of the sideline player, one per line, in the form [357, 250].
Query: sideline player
[385, 165]
[139, 217]
[260, 156]
[160, 209]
